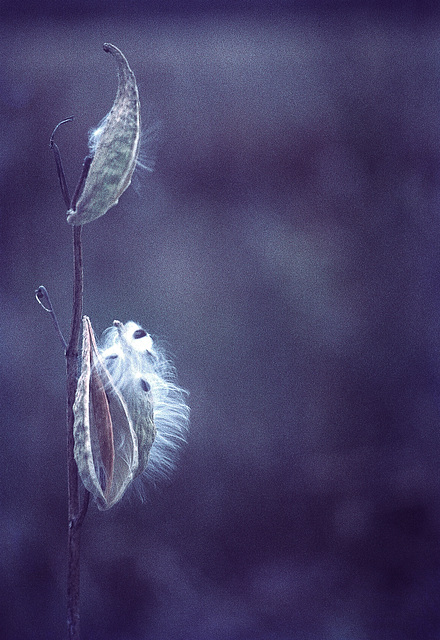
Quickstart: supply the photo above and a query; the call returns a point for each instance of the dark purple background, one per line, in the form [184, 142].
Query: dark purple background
[288, 249]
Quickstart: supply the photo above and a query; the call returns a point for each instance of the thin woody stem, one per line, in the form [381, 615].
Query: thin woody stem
[76, 513]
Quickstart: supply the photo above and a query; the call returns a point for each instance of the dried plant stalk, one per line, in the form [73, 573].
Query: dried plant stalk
[125, 414]
[75, 515]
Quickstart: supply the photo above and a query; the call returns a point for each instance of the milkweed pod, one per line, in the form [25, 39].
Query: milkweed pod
[130, 417]
[115, 145]
[135, 386]
[106, 448]
[146, 380]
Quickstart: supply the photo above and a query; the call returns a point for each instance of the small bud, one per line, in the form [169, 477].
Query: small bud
[115, 145]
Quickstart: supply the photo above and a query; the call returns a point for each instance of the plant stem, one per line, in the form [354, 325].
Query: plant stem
[75, 513]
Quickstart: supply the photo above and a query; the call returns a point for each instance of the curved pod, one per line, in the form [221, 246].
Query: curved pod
[116, 151]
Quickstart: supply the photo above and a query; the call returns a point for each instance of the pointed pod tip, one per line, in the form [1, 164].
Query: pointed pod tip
[119, 57]
[117, 53]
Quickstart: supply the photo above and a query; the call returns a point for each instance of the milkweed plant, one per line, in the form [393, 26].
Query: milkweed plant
[126, 415]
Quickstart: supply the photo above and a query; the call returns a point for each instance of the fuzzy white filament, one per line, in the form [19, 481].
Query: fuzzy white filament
[95, 134]
[145, 378]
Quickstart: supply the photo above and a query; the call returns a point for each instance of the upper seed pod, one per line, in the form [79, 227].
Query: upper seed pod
[116, 147]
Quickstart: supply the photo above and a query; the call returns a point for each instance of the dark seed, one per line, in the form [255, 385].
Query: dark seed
[145, 386]
[139, 333]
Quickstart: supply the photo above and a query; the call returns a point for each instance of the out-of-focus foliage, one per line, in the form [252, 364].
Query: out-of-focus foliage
[287, 248]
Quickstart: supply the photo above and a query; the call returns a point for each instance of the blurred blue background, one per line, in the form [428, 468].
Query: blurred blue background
[287, 249]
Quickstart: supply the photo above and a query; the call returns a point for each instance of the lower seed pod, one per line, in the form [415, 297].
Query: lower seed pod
[146, 380]
[130, 417]
[106, 446]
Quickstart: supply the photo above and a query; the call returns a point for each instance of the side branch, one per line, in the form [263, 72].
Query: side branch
[42, 296]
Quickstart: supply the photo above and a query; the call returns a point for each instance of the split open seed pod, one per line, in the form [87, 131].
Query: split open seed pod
[106, 445]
